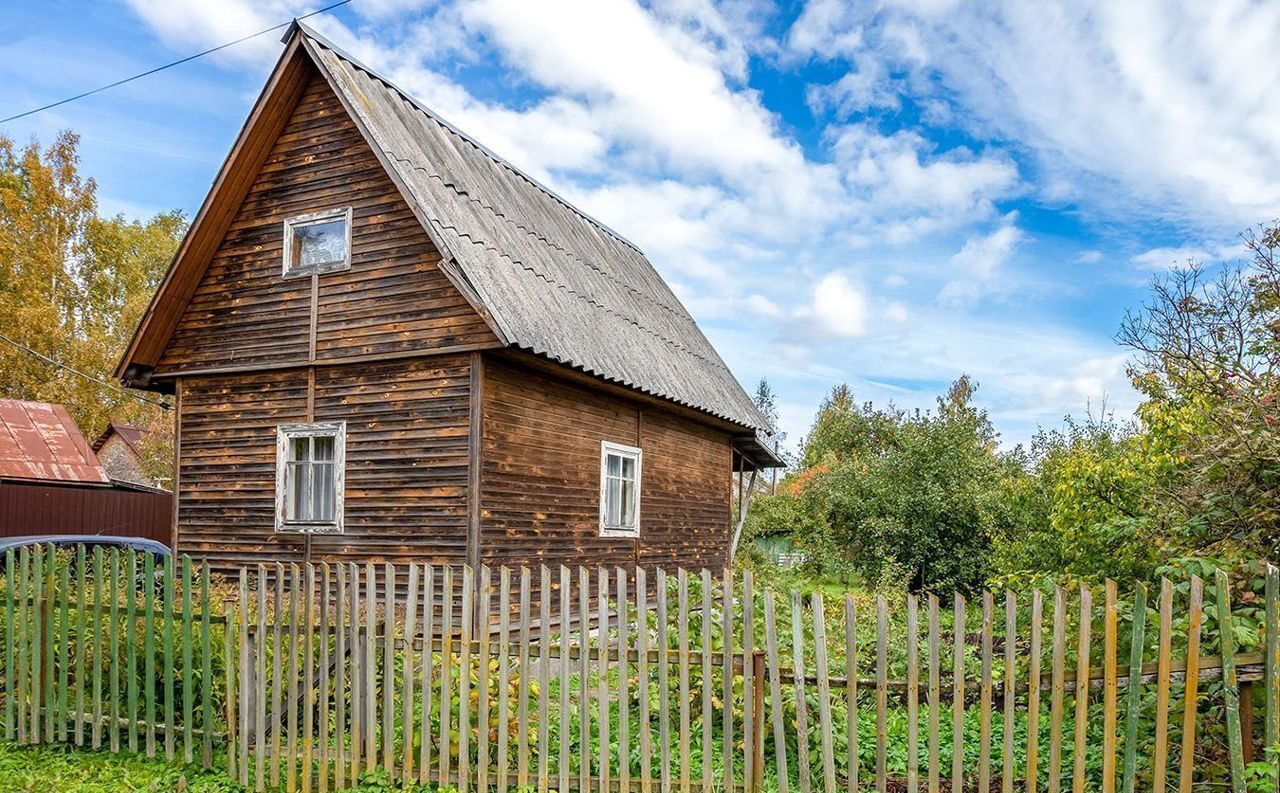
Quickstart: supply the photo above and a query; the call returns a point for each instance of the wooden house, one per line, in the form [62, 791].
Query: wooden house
[386, 343]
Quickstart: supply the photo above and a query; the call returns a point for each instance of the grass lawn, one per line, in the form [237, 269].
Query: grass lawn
[63, 769]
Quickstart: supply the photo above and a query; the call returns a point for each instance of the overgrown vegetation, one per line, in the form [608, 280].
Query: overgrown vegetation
[927, 500]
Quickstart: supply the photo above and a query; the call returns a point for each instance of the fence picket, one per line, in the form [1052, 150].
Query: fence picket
[99, 646]
[1010, 691]
[882, 698]
[851, 692]
[131, 654]
[149, 650]
[750, 781]
[308, 675]
[388, 670]
[1058, 685]
[428, 663]
[229, 660]
[207, 719]
[957, 693]
[504, 673]
[1134, 705]
[777, 714]
[682, 658]
[664, 683]
[10, 651]
[50, 683]
[113, 644]
[325, 599]
[913, 693]
[802, 705]
[984, 707]
[1230, 689]
[602, 671]
[824, 693]
[277, 657]
[170, 673]
[1081, 724]
[1033, 692]
[1109, 688]
[245, 683]
[483, 613]
[82, 645]
[24, 634]
[584, 682]
[563, 712]
[522, 690]
[1160, 756]
[406, 700]
[64, 644]
[464, 677]
[624, 682]
[726, 707]
[935, 715]
[1195, 616]
[340, 632]
[544, 676]
[188, 662]
[642, 679]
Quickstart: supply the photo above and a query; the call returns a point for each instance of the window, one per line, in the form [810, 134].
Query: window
[317, 243]
[619, 490]
[309, 477]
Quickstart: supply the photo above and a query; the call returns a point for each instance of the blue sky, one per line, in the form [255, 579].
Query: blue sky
[888, 194]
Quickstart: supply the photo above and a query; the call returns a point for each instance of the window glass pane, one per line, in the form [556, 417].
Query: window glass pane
[613, 465]
[613, 503]
[628, 508]
[299, 497]
[629, 468]
[323, 489]
[299, 448]
[322, 447]
[319, 243]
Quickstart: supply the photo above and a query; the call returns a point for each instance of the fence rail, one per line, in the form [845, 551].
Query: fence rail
[305, 677]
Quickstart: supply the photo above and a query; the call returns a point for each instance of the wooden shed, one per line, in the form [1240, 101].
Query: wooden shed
[387, 343]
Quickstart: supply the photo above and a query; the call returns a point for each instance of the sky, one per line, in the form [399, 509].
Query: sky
[886, 194]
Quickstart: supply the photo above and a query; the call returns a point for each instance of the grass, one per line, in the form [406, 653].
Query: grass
[65, 769]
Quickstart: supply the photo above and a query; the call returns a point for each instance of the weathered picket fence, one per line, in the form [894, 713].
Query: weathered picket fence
[306, 677]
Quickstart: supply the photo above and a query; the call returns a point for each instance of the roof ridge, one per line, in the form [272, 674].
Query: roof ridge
[554, 245]
[433, 115]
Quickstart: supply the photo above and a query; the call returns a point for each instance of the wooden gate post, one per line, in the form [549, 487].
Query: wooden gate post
[757, 719]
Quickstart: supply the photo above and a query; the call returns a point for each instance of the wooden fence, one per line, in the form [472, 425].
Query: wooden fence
[305, 677]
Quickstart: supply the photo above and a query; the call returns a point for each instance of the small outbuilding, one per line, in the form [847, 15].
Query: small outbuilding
[385, 342]
[51, 482]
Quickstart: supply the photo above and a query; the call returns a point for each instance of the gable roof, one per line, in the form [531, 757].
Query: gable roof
[40, 442]
[547, 278]
[128, 433]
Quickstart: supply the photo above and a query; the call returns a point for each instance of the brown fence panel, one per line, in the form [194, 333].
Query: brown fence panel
[27, 509]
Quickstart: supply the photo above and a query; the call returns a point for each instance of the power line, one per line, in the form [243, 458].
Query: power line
[169, 65]
[88, 377]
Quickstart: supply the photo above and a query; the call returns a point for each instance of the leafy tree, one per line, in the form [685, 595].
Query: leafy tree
[905, 497]
[73, 284]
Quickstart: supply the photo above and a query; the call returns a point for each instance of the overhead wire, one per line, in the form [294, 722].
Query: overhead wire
[170, 65]
[105, 384]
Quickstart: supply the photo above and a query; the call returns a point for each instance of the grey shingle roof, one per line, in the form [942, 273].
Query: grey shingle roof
[556, 282]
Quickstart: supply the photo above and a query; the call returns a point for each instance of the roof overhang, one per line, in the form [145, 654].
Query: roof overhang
[756, 453]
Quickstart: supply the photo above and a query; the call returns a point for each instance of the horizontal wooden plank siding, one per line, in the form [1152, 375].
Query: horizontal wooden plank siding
[393, 299]
[406, 473]
[541, 476]
[406, 465]
[685, 495]
[227, 465]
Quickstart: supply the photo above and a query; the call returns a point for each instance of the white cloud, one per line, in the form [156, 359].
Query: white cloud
[1165, 107]
[1167, 258]
[1090, 257]
[977, 265]
[840, 306]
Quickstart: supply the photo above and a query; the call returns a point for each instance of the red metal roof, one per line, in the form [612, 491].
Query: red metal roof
[39, 441]
[128, 433]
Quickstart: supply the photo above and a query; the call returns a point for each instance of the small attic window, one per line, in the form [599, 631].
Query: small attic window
[318, 242]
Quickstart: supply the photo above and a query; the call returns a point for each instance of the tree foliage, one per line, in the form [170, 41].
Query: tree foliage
[73, 284]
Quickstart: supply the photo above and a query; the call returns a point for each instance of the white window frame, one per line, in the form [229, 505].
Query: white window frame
[312, 219]
[336, 430]
[635, 453]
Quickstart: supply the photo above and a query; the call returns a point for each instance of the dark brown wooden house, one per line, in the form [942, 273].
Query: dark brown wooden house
[386, 343]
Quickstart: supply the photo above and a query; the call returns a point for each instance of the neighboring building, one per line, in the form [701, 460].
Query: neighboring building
[51, 482]
[386, 343]
[119, 451]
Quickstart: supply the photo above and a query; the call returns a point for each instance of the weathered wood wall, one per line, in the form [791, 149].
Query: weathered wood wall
[393, 300]
[406, 472]
[541, 477]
